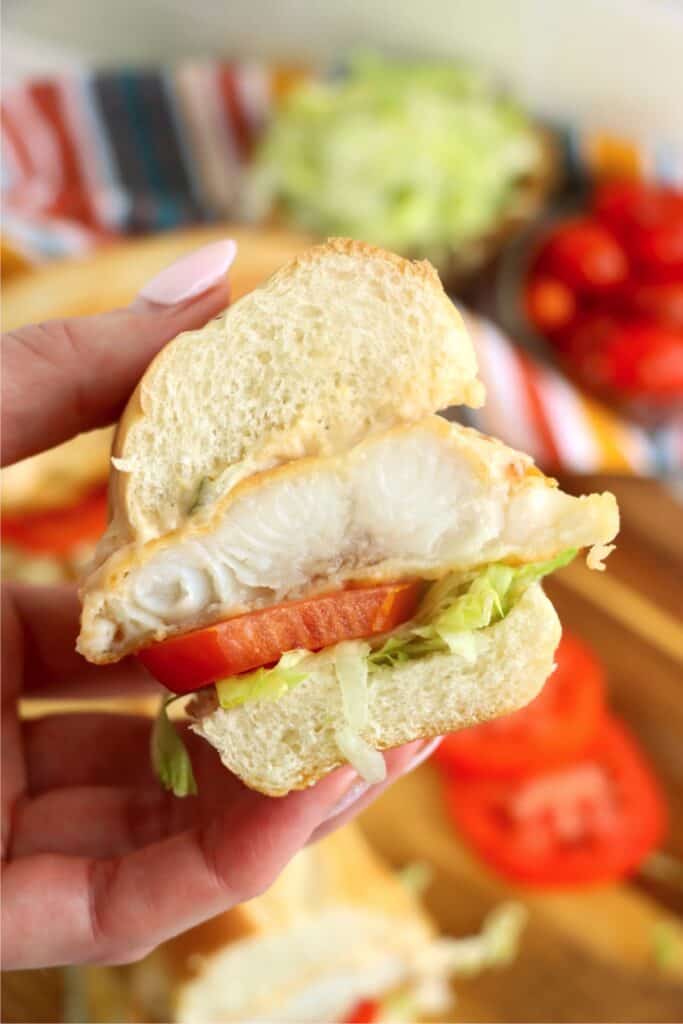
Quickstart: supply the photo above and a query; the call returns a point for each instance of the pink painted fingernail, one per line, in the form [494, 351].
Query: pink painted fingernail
[191, 275]
[424, 753]
[355, 792]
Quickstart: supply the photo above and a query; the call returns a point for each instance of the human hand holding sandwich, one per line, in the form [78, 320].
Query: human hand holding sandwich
[99, 863]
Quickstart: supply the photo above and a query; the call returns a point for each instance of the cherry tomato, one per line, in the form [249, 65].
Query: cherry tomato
[585, 256]
[364, 1012]
[594, 820]
[187, 662]
[658, 302]
[550, 303]
[648, 220]
[624, 205]
[635, 359]
[589, 333]
[657, 251]
[553, 729]
[59, 530]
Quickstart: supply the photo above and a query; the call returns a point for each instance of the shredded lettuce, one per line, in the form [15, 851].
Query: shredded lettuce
[428, 991]
[448, 621]
[418, 157]
[416, 876]
[495, 946]
[170, 759]
[456, 607]
[351, 670]
[263, 684]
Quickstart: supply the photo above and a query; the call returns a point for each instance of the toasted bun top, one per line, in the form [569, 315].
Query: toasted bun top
[342, 341]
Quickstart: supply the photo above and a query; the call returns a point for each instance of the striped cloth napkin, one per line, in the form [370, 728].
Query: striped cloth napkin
[91, 155]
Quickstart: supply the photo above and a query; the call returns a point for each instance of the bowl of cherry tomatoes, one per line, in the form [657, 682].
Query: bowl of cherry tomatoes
[599, 289]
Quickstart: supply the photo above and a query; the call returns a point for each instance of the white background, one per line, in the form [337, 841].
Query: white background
[616, 64]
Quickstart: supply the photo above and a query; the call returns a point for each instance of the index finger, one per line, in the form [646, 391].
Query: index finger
[63, 377]
[48, 618]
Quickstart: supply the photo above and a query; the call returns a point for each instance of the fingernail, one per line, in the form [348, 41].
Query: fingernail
[424, 753]
[191, 275]
[355, 792]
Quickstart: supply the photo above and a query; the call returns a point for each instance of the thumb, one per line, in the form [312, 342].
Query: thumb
[66, 376]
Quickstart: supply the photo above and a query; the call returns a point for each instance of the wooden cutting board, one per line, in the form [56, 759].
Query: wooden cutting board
[589, 954]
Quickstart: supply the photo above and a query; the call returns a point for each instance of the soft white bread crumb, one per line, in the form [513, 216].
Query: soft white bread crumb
[290, 743]
[343, 341]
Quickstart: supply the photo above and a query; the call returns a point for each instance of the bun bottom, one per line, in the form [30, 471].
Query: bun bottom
[291, 744]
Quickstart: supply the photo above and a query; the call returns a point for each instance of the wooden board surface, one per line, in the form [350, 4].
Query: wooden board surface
[591, 954]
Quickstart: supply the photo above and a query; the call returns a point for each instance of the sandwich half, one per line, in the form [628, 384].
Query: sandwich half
[298, 540]
[54, 509]
[336, 938]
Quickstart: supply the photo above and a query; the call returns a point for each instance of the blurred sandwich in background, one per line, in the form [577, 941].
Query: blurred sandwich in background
[336, 938]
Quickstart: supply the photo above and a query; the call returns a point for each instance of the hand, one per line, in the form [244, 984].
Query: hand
[99, 864]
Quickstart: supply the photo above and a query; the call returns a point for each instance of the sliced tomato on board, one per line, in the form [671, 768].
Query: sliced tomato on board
[553, 729]
[594, 820]
[187, 662]
[58, 531]
[364, 1012]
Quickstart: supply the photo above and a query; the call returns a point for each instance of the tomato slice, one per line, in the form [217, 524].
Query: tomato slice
[594, 820]
[188, 662]
[58, 531]
[553, 729]
[364, 1012]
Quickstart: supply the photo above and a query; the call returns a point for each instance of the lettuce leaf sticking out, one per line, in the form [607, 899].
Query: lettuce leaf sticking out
[170, 759]
[456, 607]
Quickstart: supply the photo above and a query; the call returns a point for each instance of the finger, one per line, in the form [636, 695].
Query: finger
[60, 909]
[108, 749]
[85, 368]
[49, 620]
[105, 819]
[399, 761]
[97, 821]
[87, 749]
